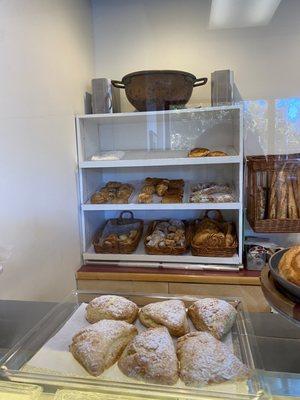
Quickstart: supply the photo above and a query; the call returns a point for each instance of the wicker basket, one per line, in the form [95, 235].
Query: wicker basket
[262, 182]
[118, 226]
[204, 250]
[168, 250]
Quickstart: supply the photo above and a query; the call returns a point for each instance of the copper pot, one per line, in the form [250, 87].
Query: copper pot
[158, 90]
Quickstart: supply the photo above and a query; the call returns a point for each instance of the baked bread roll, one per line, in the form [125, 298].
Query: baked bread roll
[162, 187]
[99, 346]
[217, 153]
[204, 359]
[212, 315]
[111, 307]
[151, 357]
[198, 152]
[169, 313]
[289, 265]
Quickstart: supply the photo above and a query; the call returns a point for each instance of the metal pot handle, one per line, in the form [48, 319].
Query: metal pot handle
[118, 84]
[200, 82]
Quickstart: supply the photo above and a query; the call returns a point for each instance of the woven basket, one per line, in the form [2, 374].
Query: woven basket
[205, 250]
[168, 250]
[119, 226]
[260, 172]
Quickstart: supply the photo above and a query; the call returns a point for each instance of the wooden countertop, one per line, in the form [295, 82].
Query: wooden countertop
[114, 273]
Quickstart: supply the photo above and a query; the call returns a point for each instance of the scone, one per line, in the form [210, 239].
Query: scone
[212, 315]
[169, 313]
[111, 307]
[151, 357]
[204, 359]
[198, 152]
[99, 346]
[289, 265]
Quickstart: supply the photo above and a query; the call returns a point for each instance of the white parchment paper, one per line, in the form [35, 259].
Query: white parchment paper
[55, 357]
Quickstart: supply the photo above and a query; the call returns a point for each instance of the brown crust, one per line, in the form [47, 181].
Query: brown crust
[156, 314]
[111, 307]
[98, 347]
[217, 153]
[289, 265]
[198, 152]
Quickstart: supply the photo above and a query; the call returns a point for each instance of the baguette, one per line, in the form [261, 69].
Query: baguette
[272, 197]
[292, 206]
[282, 195]
[297, 189]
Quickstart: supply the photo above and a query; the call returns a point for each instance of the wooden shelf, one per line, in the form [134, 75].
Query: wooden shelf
[102, 272]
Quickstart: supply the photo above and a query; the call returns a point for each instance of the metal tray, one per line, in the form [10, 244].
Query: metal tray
[242, 339]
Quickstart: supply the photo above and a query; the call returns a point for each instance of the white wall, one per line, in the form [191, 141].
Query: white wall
[45, 67]
[173, 34]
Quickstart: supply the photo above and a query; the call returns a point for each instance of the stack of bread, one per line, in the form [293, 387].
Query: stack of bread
[204, 152]
[212, 192]
[280, 197]
[113, 193]
[150, 355]
[168, 190]
[166, 237]
[213, 237]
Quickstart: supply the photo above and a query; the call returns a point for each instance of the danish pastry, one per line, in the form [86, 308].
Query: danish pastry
[111, 307]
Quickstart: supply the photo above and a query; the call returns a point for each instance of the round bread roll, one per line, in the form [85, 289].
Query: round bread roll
[217, 153]
[289, 265]
[199, 152]
[111, 307]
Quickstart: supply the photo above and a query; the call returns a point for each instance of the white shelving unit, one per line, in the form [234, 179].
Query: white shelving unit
[157, 144]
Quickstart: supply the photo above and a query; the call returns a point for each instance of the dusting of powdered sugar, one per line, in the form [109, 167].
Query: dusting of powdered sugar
[204, 359]
[217, 314]
[155, 340]
[115, 305]
[151, 356]
[107, 328]
[171, 311]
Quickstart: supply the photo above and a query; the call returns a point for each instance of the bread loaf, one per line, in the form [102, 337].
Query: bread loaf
[282, 195]
[261, 202]
[292, 206]
[272, 196]
[296, 188]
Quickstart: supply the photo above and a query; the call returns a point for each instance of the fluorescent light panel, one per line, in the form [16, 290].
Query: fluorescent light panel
[225, 14]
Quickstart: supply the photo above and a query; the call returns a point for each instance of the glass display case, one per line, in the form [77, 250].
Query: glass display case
[43, 355]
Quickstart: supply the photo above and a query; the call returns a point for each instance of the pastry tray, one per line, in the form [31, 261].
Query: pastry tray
[18, 364]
